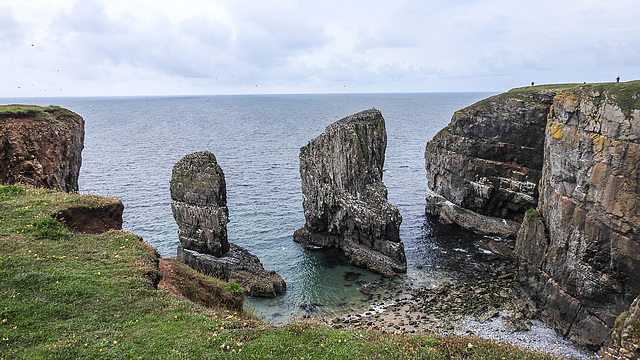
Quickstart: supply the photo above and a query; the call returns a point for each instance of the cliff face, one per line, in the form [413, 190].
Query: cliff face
[580, 258]
[199, 205]
[41, 146]
[625, 339]
[483, 168]
[344, 199]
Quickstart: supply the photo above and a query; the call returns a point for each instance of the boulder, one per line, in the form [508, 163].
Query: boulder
[41, 147]
[344, 199]
[199, 205]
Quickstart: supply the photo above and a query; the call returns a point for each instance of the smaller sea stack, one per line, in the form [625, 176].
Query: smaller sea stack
[199, 205]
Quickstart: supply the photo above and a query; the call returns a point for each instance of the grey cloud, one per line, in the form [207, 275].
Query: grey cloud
[10, 30]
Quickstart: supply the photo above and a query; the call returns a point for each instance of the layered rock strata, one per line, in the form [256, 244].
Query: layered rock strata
[41, 147]
[625, 340]
[199, 205]
[580, 254]
[344, 198]
[483, 168]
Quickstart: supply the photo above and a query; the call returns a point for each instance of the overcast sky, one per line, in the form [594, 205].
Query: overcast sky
[140, 47]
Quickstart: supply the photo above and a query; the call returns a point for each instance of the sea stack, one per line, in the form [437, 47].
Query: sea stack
[344, 198]
[199, 205]
[41, 146]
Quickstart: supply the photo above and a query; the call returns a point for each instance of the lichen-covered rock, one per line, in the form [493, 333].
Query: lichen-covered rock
[625, 339]
[199, 205]
[580, 259]
[344, 198]
[41, 147]
[483, 168]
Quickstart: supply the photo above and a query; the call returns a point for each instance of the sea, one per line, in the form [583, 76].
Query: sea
[132, 143]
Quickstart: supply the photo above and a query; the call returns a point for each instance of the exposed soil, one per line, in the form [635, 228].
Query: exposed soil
[84, 220]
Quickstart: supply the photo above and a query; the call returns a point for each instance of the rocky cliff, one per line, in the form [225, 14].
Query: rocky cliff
[40, 146]
[199, 205]
[580, 253]
[625, 339]
[344, 198]
[483, 168]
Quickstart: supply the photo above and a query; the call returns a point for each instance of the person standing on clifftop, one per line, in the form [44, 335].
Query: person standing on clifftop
[618, 79]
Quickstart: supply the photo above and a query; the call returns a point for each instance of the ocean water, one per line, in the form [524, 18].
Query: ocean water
[132, 143]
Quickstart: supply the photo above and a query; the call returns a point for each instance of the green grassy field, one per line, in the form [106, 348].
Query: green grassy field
[75, 296]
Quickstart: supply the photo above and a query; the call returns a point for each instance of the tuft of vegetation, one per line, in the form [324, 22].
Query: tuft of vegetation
[93, 297]
[533, 214]
[11, 191]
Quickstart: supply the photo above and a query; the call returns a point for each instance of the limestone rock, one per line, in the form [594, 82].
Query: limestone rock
[344, 198]
[625, 340]
[237, 265]
[41, 147]
[580, 257]
[483, 168]
[199, 205]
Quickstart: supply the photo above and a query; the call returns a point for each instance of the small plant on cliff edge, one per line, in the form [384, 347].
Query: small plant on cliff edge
[234, 288]
[533, 214]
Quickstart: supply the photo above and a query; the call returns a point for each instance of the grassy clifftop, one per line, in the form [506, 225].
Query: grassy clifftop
[76, 296]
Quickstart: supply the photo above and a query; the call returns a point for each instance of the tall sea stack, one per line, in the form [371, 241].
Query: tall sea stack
[344, 198]
[199, 205]
[41, 147]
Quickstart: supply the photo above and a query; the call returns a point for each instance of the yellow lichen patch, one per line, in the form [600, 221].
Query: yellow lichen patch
[599, 142]
[555, 129]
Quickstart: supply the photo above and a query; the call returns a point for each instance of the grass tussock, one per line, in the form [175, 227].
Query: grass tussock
[75, 296]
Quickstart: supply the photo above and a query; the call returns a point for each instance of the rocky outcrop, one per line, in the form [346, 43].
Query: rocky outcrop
[483, 168]
[625, 339]
[199, 205]
[580, 252]
[344, 198]
[40, 147]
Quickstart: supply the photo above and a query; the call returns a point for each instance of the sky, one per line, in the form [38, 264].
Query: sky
[198, 47]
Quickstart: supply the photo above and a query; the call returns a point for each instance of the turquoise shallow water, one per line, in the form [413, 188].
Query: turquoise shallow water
[132, 143]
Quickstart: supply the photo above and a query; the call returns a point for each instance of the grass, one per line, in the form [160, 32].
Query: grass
[74, 296]
[34, 111]
[624, 94]
[522, 93]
